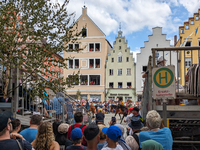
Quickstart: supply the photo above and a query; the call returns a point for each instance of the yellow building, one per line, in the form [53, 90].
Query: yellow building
[189, 36]
[90, 61]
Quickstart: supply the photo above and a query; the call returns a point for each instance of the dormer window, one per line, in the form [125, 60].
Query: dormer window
[187, 26]
[197, 17]
[192, 22]
[182, 31]
[84, 32]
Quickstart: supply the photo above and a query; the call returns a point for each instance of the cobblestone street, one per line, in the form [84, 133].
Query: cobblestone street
[108, 118]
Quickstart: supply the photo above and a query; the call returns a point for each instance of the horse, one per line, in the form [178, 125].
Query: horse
[119, 109]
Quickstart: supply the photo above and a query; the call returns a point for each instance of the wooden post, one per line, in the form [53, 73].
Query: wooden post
[165, 112]
[150, 84]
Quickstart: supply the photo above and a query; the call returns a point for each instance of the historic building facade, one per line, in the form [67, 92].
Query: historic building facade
[188, 36]
[90, 61]
[120, 71]
[157, 39]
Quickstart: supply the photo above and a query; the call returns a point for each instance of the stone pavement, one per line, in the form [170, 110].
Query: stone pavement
[108, 118]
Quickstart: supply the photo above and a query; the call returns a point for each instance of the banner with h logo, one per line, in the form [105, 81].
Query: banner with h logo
[164, 82]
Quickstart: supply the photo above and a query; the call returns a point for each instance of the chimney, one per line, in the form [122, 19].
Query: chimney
[84, 10]
[175, 40]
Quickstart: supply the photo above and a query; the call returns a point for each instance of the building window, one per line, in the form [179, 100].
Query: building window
[72, 47]
[127, 59]
[94, 79]
[128, 84]
[110, 72]
[120, 47]
[144, 68]
[97, 47]
[73, 79]
[197, 17]
[192, 22]
[76, 63]
[76, 46]
[156, 55]
[111, 85]
[119, 72]
[142, 83]
[94, 63]
[94, 47]
[120, 59]
[71, 65]
[188, 62]
[119, 40]
[113, 51]
[182, 31]
[91, 61]
[84, 32]
[187, 26]
[188, 43]
[119, 84]
[97, 63]
[111, 98]
[112, 59]
[128, 71]
[84, 79]
[91, 47]
[125, 50]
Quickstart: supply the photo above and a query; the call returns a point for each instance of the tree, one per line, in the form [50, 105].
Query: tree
[31, 33]
[78, 94]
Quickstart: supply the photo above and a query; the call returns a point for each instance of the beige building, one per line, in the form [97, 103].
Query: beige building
[120, 71]
[90, 61]
[189, 36]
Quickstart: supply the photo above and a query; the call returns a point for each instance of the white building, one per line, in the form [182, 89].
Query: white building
[157, 39]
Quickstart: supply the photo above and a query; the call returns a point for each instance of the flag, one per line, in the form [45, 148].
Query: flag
[196, 31]
[184, 42]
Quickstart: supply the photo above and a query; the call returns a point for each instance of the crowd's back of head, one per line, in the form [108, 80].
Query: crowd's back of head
[78, 117]
[36, 120]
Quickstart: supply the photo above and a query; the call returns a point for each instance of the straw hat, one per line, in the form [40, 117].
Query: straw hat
[130, 100]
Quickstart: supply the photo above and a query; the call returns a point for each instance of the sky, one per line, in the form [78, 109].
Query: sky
[137, 17]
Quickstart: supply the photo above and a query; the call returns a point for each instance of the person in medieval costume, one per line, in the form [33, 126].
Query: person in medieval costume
[129, 103]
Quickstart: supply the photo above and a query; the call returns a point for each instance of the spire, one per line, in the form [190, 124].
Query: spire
[84, 5]
[120, 31]
[84, 9]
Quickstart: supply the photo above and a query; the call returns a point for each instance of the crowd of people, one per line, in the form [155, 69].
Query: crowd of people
[41, 135]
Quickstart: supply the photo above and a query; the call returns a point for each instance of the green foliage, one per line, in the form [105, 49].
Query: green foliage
[32, 32]
[78, 94]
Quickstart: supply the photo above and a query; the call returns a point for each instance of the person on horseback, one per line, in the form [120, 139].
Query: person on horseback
[121, 101]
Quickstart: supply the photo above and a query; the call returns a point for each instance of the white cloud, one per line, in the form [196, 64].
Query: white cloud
[176, 19]
[135, 51]
[191, 5]
[134, 15]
